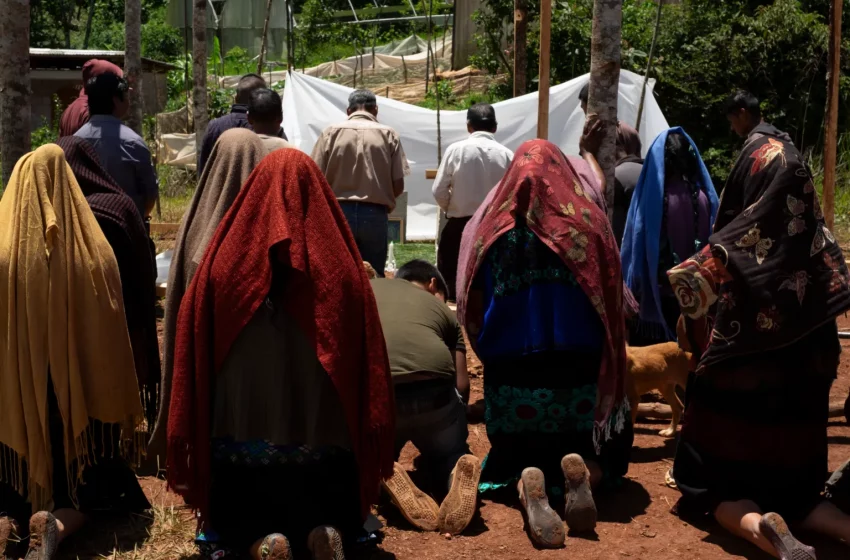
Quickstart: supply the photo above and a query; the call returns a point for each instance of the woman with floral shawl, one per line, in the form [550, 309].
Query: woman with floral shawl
[759, 305]
[541, 300]
[670, 218]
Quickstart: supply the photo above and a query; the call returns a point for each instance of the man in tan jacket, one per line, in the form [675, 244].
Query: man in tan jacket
[365, 165]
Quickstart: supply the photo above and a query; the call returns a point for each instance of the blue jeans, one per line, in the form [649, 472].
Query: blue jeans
[368, 223]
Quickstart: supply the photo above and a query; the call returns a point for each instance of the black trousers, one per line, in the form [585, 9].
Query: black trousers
[449, 251]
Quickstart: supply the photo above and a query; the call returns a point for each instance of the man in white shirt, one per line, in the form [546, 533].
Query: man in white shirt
[470, 169]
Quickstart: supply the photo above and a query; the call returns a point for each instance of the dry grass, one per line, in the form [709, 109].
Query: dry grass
[166, 532]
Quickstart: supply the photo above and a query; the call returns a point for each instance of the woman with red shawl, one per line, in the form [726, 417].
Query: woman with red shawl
[541, 299]
[281, 417]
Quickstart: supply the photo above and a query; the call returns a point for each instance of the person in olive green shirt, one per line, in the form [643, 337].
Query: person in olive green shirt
[427, 355]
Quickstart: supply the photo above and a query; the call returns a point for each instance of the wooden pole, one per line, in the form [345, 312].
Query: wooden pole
[264, 45]
[831, 134]
[649, 64]
[520, 40]
[200, 109]
[543, 89]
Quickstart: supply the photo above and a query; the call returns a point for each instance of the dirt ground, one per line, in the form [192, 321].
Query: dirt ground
[635, 522]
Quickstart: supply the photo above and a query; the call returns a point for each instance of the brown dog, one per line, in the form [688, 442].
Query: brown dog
[662, 367]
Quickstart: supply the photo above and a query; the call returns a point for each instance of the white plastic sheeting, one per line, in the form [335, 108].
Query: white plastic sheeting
[311, 104]
[414, 50]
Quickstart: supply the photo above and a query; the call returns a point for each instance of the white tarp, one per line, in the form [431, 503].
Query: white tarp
[311, 104]
[391, 59]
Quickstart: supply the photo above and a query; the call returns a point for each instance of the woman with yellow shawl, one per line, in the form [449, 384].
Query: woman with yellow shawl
[69, 398]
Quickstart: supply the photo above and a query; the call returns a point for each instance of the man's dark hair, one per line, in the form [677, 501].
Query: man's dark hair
[102, 91]
[246, 86]
[265, 105]
[584, 93]
[362, 99]
[421, 271]
[743, 99]
[481, 116]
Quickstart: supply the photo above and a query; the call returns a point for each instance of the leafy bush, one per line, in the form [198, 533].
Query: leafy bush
[705, 50]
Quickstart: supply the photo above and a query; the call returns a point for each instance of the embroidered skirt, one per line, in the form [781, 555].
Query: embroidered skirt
[540, 407]
[755, 428]
[259, 488]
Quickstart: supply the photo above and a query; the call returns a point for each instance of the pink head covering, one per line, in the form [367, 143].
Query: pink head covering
[95, 67]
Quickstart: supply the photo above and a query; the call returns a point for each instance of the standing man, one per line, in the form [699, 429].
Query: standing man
[365, 165]
[77, 113]
[237, 118]
[470, 169]
[265, 113]
[122, 152]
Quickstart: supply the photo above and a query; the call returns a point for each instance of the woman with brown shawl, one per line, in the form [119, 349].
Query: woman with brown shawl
[760, 303]
[542, 302]
[69, 398]
[235, 155]
[281, 419]
[121, 223]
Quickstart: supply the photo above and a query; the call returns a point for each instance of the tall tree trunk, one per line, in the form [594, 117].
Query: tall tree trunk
[133, 61]
[520, 48]
[605, 79]
[199, 70]
[88, 24]
[832, 96]
[14, 83]
[265, 37]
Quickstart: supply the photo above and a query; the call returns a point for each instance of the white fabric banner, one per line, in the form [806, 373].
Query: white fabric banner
[311, 104]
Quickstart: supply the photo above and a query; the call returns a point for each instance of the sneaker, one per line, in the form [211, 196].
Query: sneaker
[580, 511]
[325, 543]
[776, 530]
[838, 487]
[415, 505]
[544, 526]
[275, 547]
[43, 533]
[8, 534]
[459, 506]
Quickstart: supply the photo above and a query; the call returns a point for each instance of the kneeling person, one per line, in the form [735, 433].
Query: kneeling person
[428, 363]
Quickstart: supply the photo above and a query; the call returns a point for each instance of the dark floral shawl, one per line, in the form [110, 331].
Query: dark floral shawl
[772, 272]
[122, 225]
[542, 189]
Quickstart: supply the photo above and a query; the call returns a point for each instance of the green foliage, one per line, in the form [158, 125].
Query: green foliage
[46, 134]
[705, 50]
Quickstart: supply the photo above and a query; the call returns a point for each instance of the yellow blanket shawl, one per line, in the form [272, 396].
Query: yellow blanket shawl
[62, 314]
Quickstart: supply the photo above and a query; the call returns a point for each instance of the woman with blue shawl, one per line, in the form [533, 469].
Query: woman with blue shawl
[670, 218]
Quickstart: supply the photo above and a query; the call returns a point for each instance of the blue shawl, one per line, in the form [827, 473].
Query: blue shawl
[640, 248]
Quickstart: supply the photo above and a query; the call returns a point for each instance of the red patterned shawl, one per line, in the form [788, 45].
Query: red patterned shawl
[285, 217]
[542, 188]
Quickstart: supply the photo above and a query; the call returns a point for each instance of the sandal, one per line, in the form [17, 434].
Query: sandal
[325, 543]
[544, 526]
[787, 546]
[458, 508]
[415, 505]
[580, 511]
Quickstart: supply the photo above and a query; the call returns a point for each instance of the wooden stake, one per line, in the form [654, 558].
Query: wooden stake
[649, 64]
[832, 96]
[543, 89]
[264, 45]
[520, 40]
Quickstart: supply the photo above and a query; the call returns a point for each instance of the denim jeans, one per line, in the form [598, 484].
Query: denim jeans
[368, 223]
[433, 417]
